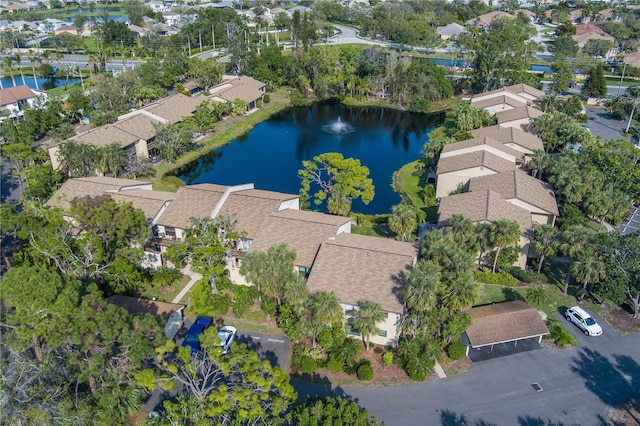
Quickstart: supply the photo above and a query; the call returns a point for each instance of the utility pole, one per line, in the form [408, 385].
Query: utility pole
[622, 78]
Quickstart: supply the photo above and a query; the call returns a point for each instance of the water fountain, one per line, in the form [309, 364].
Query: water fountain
[338, 127]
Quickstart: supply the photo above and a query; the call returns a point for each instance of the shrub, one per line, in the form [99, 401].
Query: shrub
[535, 296]
[269, 306]
[365, 371]
[500, 278]
[308, 365]
[559, 334]
[243, 299]
[336, 365]
[259, 104]
[378, 350]
[266, 98]
[332, 337]
[287, 321]
[387, 359]
[164, 276]
[456, 350]
[528, 277]
[221, 303]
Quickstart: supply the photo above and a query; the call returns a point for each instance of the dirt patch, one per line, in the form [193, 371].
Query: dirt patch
[455, 368]
[626, 414]
[621, 319]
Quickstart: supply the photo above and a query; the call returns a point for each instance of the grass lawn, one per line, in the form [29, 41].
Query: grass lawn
[411, 182]
[167, 293]
[90, 45]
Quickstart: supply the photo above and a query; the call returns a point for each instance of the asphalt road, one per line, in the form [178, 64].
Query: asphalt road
[578, 387]
[602, 124]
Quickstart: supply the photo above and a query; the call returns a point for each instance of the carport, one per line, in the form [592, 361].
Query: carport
[500, 323]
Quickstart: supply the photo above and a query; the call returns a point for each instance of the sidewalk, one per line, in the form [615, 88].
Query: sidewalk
[195, 277]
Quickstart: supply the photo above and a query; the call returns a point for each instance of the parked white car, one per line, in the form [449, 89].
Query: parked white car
[583, 320]
[226, 336]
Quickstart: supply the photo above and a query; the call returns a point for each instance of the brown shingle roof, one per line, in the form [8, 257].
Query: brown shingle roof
[138, 306]
[513, 135]
[359, 267]
[139, 125]
[525, 88]
[497, 100]
[504, 322]
[191, 201]
[488, 18]
[474, 159]
[92, 187]
[479, 144]
[174, 107]
[302, 231]
[518, 114]
[517, 184]
[15, 94]
[483, 206]
[497, 93]
[243, 87]
[251, 207]
[105, 135]
[150, 202]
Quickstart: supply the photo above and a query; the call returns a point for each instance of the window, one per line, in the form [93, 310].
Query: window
[304, 271]
[170, 232]
[351, 330]
[382, 333]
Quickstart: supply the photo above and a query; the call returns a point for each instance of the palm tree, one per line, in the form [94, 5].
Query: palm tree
[403, 220]
[588, 268]
[537, 163]
[544, 242]
[573, 240]
[462, 231]
[483, 238]
[270, 271]
[8, 66]
[504, 233]
[365, 319]
[323, 309]
[33, 60]
[295, 294]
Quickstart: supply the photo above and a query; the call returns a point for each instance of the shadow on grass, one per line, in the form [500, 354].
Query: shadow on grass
[511, 294]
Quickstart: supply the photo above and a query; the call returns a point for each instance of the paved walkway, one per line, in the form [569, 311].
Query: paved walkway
[195, 277]
[439, 371]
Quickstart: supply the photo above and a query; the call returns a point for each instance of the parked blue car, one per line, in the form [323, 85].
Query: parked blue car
[192, 339]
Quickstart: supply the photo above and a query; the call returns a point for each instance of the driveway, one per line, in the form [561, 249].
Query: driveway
[604, 125]
[578, 387]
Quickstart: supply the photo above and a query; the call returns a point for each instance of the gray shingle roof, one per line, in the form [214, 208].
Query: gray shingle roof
[359, 267]
[504, 322]
[191, 201]
[497, 100]
[243, 87]
[518, 114]
[518, 184]
[150, 202]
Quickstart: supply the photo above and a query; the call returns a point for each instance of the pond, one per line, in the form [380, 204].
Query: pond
[43, 83]
[271, 154]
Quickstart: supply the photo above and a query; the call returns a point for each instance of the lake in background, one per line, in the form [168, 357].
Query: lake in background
[271, 154]
[43, 83]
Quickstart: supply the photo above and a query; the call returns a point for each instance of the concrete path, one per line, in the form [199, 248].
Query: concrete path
[195, 277]
[439, 371]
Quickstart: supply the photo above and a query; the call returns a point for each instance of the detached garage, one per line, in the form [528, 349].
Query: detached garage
[504, 323]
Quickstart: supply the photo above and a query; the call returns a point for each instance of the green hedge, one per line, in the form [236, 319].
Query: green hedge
[559, 334]
[308, 365]
[528, 277]
[365, 371]
[499, 278]
[456, 351]
[243, 299]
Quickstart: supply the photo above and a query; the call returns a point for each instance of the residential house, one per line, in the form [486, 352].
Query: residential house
[485, 143]
[67, 29]
[302, 231]
[518, 117]
[523, 190]
[137, 31]
[134, 131]
[358, 268]
[512, 137]
[524, 90]
[246, 88]
[455, 171]
[486, 20]
[157, 6]
[487, 207]
[587, 32]
[163, 30]
[495, 104]
[14, 100]
[451, 31]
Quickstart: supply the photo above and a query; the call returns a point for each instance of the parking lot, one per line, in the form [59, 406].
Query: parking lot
[602, 124]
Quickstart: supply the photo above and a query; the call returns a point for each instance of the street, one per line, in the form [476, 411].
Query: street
[579, 386]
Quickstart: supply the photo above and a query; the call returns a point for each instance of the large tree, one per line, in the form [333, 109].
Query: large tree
[235, 388]
[504, 233]
[403, 220]
[500, 55]
[270, 272]
[595, 86]
[316, 411]
[340, 180]
[544, 242]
